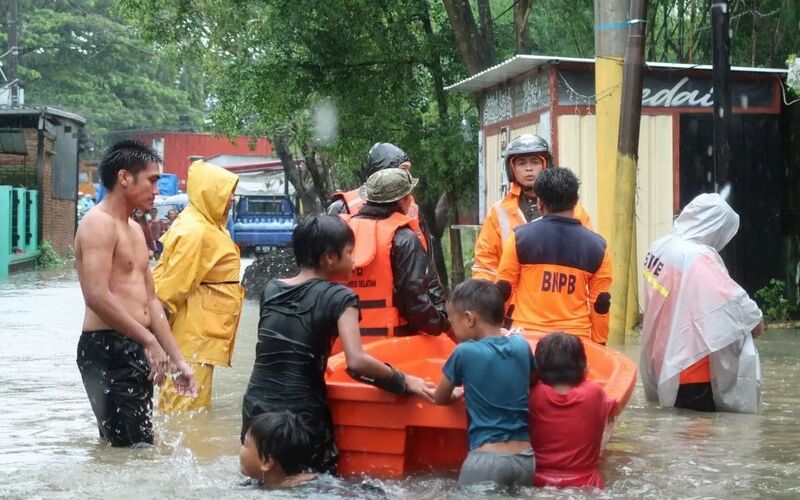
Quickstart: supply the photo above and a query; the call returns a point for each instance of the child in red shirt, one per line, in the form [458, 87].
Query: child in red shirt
[568, 415]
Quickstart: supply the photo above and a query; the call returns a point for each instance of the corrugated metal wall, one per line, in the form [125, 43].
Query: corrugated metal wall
[576, 149]
[493, 170]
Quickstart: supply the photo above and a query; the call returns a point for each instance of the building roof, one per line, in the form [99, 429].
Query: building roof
[32, 111]
[520, 64]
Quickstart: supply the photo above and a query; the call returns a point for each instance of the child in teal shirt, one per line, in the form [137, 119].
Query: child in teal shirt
[494, 370]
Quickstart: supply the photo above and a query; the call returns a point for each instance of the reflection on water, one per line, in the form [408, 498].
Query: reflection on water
[50, 448]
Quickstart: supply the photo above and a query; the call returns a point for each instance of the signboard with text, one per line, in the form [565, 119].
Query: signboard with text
[667, 91]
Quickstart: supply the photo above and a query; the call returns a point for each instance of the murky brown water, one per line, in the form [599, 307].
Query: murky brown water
[49, 446]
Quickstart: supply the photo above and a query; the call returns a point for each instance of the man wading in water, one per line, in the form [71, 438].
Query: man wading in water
[121, 352]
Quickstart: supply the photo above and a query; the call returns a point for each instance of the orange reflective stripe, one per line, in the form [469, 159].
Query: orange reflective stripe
[502, 220]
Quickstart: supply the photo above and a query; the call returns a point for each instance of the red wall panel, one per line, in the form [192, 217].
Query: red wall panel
[180, 147]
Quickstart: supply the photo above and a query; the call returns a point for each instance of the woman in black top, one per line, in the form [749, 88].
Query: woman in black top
[301, 317]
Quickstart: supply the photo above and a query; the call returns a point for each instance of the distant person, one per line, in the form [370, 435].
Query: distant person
[561, 268]
[300, 319]
[568, 415]
[138, 215]
[276, 449]
[157, 230]
[172, 214]
[197, 280]
[397, 289]
[121, 352]
[526, 156]
[156, 224]
[698, 327]
[494, 371]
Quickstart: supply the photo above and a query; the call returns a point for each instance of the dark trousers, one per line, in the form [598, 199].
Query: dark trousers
[114, 372]
[697, 397]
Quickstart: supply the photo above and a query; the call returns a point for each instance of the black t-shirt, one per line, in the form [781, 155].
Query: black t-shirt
[296, 331]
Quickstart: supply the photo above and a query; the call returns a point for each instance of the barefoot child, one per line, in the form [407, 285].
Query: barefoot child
[301, 317]
[568, 415]
[495, 373]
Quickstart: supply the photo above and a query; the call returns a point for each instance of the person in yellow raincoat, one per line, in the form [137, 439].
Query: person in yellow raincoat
[197, 281]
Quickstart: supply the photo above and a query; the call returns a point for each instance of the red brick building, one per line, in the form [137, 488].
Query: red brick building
[39, 150]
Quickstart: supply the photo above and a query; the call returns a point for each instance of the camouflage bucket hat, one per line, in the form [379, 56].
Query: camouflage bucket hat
[388, 185]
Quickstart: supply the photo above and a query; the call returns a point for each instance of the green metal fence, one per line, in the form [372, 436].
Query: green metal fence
[19, 227]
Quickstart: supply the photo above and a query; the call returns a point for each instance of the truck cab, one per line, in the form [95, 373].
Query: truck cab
[261, 222]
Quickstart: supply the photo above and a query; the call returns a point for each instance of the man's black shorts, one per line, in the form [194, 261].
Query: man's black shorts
[114, 370]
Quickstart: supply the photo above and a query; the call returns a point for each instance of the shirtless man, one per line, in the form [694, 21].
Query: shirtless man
[121, 352]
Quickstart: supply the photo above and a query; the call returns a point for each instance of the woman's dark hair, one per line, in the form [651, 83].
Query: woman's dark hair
[317, 235]
[132, 156]
[481, 297]
[560, 359]
[557, 187]
[284, 437]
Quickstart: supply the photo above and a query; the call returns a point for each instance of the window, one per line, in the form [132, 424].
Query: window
[264, 206]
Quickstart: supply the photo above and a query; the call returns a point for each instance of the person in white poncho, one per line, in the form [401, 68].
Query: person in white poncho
[697, 348]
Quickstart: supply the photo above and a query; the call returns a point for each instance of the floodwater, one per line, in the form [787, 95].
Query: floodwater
[49, 446]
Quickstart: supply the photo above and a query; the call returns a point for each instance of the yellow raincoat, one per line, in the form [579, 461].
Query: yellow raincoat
[197, 276]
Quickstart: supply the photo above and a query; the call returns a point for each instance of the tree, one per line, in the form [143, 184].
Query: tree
[764, 31]
[77, 55]
[381, 65]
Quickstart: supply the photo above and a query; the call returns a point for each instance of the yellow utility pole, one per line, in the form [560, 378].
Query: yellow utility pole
[611, 30]
[623, 236]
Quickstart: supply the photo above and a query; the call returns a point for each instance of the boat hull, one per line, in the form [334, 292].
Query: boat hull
[388, 436]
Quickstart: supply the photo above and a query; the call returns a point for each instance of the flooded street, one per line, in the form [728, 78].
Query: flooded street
[50, 447]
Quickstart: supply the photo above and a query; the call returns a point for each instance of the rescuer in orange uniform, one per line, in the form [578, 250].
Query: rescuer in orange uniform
[558, 271]
[381, 155]
[525, 157]
[392, 275]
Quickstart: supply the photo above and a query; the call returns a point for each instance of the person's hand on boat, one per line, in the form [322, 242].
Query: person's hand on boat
[421, 388]
[183, 380]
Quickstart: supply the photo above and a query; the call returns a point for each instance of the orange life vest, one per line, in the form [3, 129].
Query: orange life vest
[372, 278]
[355, 202]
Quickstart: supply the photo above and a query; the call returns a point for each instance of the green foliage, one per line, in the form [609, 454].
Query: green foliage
[78, 55]
[383, 65]
[773, 301]
[764, 32]
[48, 257]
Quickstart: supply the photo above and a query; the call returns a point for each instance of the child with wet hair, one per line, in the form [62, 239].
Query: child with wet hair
[494, 370]
[301, 318]
[568, 415]
[275, 451]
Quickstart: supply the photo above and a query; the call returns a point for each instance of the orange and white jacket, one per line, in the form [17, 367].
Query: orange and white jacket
[503, 217]
[560, 276]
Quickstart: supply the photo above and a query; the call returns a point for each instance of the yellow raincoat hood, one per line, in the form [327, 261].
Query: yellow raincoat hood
[197, 276]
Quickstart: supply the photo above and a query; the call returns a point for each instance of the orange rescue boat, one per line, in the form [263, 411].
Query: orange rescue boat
[388, 436]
